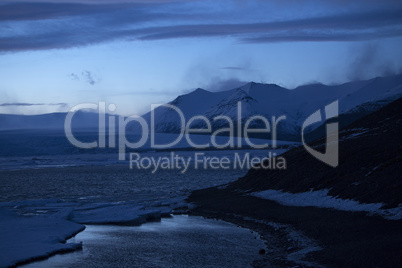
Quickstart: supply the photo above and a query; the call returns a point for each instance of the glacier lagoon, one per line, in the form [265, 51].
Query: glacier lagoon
[103, 190]
[181, 241]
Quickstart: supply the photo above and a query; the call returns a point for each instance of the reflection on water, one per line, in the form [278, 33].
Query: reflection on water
[178, 241]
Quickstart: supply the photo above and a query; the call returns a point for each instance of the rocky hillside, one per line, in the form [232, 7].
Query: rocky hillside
[370, 163]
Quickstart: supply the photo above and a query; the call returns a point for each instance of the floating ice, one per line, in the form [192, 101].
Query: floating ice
[25, 238]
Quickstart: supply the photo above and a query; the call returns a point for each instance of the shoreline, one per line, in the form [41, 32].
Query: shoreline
[51, 254]
[278, 241]
[346, 238]
[300, 236]
[177, 223]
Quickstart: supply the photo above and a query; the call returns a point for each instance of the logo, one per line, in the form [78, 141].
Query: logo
[331, 155]
[112, 134]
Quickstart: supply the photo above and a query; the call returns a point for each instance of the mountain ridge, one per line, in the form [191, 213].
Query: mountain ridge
[272, 100]
[257, 99]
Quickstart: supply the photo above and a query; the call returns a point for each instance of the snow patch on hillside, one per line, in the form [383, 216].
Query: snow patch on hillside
[323, 200]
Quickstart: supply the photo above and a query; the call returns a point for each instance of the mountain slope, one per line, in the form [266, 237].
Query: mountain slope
[271, 100]
[369, 170]
[195, 103]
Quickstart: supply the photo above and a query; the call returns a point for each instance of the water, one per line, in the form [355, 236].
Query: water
[108, 184]
[103, 180]
[176, 241]
[180, 241]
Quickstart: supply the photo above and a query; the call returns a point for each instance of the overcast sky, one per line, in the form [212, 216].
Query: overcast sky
[133, 53]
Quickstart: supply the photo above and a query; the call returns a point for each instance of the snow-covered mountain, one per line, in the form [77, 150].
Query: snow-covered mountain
[356, 99]
[270, 100]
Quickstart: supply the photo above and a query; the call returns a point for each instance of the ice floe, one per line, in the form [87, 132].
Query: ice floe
[25, 238]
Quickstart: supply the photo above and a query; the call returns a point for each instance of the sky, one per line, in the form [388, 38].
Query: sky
[57, 54]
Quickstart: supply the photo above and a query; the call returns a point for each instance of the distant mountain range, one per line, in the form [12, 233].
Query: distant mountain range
[356, 99]
[51, 121]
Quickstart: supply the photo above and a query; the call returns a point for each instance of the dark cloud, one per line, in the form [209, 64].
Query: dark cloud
[237, 68]
[136, 11]
[32, 104]
[86, 76]
[337, 27]
[38, 26]
[320, 36]
[368, 61]
[40, 11]
[74, 76]
[363, 60]
[42, 26]
[217, 84]
[96, 2]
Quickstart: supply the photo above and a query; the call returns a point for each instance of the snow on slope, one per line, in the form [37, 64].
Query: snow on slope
[229, 106]
[387, 89]
[272, 100]
[191, 104]
[323, 200]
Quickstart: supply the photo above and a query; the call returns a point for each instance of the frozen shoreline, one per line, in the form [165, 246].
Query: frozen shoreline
[65, 198]
[28, 238]
[172, 241]
[32, 236]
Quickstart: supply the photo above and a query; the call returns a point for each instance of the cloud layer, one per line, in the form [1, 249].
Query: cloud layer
[48, 25]
[25, 104]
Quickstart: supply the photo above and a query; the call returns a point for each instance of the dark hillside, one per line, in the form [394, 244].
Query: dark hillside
[370, 163]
